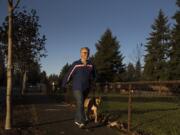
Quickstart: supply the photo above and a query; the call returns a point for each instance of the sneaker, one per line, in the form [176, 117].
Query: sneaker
[80, 125]
[87, 121]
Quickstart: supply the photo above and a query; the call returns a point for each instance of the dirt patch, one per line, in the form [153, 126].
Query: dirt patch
[24, 117]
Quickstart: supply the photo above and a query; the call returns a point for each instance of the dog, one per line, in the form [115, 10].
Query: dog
[91, 108]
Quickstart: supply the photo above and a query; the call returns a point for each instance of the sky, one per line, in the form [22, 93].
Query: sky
[72, 24]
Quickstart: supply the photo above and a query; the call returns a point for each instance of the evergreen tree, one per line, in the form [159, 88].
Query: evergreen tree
[175, 48]
[63, 72]
[33, 74]
[157, 47]
[108, 58]
[43, 77]
[138, 70]
[130, 72]
[53, 78]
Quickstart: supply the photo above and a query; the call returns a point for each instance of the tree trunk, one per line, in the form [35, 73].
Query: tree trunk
[24, 82]
[9, 71]
[8, 119]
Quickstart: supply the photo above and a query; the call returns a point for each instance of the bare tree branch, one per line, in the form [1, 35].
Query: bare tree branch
[17, 2]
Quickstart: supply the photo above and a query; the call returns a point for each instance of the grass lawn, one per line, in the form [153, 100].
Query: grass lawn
[159, 115]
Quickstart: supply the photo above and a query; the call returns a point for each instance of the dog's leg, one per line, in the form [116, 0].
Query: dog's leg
[95, 114]
[86, 116]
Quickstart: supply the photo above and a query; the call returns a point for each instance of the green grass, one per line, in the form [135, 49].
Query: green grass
[153, 115]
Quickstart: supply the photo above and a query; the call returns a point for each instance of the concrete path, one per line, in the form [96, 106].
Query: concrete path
[57, 118]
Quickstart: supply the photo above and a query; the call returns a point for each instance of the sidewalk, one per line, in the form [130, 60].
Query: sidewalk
[53, 118]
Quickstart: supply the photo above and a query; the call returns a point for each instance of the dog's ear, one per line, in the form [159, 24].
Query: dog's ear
[99, 98]
[98, 101]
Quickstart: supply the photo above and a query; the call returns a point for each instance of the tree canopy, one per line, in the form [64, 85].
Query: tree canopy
[157, 47]
[28, 44]
[108, 58]
[175, 51]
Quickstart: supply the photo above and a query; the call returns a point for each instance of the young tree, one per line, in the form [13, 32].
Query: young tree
[155, 67]
[108, 58]
[11, 8]
[138, 59]
[29, 45]
[175, 48]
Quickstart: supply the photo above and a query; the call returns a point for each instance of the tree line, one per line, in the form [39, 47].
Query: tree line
[161, 58]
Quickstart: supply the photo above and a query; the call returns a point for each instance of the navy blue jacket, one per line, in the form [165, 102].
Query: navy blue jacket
[81, 75]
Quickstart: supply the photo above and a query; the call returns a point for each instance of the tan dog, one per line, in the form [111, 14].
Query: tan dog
[91, 106]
